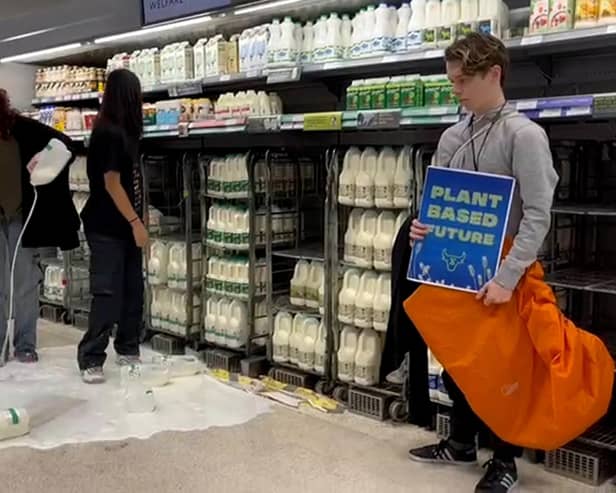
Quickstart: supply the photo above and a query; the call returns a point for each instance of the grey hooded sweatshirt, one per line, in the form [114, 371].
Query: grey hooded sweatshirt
[514, 146]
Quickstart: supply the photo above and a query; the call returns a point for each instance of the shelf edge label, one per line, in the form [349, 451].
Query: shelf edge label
[330, 121]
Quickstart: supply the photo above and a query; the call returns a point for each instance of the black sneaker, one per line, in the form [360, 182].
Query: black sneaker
[500, 477]
[445, 453]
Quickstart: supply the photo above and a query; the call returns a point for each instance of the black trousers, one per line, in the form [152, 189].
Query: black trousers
[465, 424]
[116, 283]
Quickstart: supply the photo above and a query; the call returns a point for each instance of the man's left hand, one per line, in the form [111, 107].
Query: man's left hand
[494, 294]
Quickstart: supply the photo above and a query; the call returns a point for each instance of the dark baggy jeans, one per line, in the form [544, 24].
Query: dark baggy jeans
[116, 283]
[465, 424]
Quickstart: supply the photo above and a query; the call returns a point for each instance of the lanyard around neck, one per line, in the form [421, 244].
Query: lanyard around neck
[477, 155]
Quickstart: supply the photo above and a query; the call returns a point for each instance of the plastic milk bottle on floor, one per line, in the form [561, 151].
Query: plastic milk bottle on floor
[14, 423]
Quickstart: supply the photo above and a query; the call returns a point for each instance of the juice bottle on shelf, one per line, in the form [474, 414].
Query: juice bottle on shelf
[539, 20]
[607, 12]
[378, 97]
[586, 13]
[384, 178]
[382, 303]
[394, 92]
[365, 94]
[562, 14]
[364, 302]
[346, 354]
[368, 358]
[385, 232]
[348, 295]
[283, 324]
[411, 91]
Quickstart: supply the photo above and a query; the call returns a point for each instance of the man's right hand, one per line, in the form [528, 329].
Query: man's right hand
[418, 231]
[140, 234]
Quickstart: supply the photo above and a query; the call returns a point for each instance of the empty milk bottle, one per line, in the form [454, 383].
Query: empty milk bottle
[382, 303]
[297, 335]
[315, 280]
[385, 178]
[346, 354]
[364, 182]
[308, 343]
[211, 317]
[348, 295]
[351, 237]
[348, 177]
[385, 232]
[402, 179]
[283, 324]
[320, 348]
[404, 17]
[365, 240]
[368, 358]
[237, 335]
[417, 24]
[299, 283]
[14, 422]
[364, 302]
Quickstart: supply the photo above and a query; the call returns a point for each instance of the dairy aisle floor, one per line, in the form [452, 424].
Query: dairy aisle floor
[282, 451]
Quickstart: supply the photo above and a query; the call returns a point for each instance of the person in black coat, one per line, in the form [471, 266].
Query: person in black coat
[54, 222]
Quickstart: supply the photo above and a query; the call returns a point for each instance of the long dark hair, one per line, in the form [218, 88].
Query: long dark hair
[7, 115]
[122, 103]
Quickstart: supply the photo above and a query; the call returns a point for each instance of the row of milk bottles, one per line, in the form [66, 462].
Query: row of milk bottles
[169, 310]
[376, 179]
[253, 48]
[422, 15]
[168, 264]
[247, 103]
[231, 275]
[54, 283]
[78, 175]
[228, 176]
[308, 285]
[370, 236]
[364, 300]
[299, 340]
[227, 324]
[359, 356]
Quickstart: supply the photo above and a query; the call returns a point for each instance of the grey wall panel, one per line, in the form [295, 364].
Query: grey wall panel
[62, 21]
[18, 81]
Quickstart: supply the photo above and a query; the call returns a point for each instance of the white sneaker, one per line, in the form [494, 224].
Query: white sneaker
[122, 360]
[93, 375]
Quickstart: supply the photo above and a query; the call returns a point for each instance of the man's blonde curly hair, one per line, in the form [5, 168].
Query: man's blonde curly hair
[478, 53]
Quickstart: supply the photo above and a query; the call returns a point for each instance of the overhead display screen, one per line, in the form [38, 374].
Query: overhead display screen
[164, 10]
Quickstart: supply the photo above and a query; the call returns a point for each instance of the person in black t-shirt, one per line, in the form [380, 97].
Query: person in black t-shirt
[114, 227]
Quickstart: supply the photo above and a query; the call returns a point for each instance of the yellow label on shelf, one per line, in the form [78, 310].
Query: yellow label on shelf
[315, 122]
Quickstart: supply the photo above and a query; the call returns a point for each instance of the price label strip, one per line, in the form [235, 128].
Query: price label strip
[379, 120]
[291, 74]
[264, 124]
[323, 122]
[187, 89]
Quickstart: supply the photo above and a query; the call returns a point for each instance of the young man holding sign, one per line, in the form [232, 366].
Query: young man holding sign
[493, 139]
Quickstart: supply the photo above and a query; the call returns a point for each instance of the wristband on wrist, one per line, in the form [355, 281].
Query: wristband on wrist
[133, 220]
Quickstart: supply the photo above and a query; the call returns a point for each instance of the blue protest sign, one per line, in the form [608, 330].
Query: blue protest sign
[467, 213]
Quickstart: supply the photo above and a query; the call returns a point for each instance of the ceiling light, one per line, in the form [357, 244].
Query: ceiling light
[26, 35]
[146, 31]
[264, 6]
[33, 55]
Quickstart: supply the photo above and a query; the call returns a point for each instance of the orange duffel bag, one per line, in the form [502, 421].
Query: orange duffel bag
[528, 372]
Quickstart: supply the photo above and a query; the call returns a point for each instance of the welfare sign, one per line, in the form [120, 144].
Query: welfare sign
[164, 10]
[467, 213]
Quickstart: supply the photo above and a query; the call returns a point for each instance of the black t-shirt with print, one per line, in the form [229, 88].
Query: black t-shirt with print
[112, 150]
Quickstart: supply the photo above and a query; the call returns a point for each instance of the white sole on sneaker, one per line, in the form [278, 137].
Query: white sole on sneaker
[420, 460]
